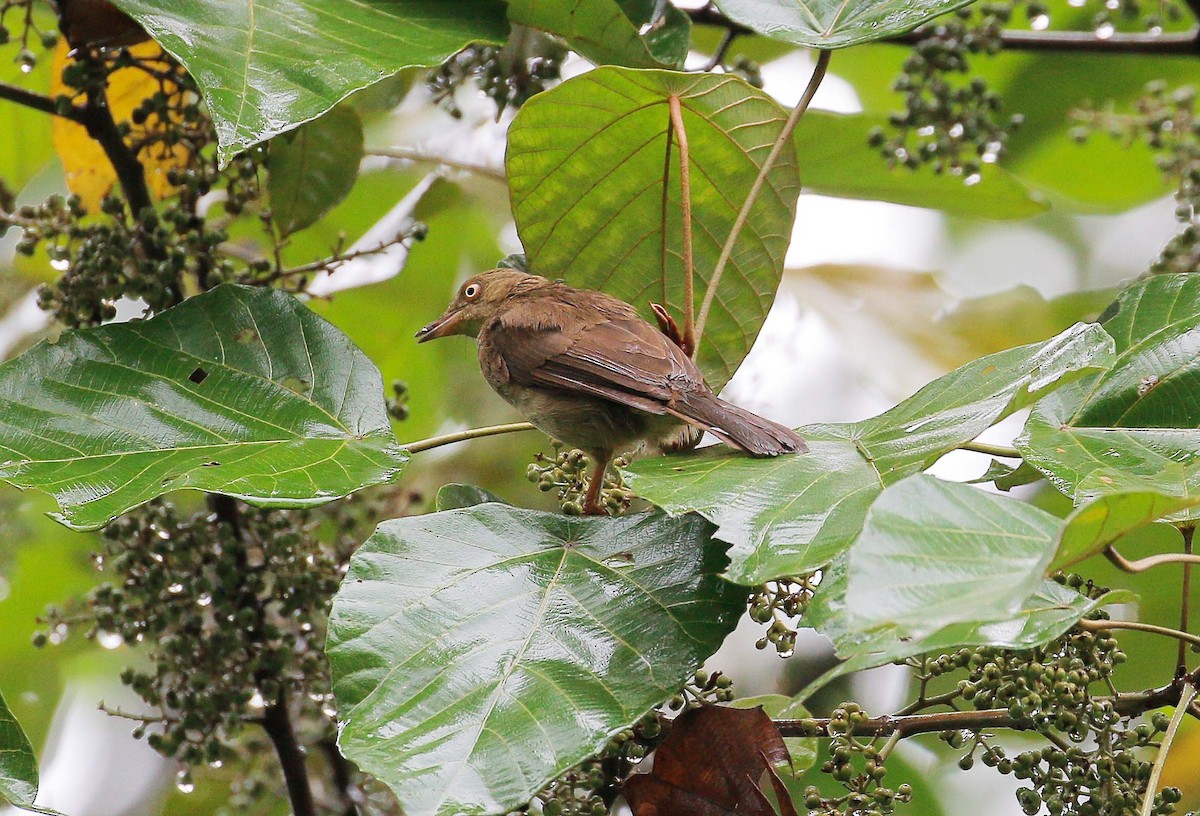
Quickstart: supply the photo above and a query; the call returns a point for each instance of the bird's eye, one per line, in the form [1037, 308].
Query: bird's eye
[472, 291]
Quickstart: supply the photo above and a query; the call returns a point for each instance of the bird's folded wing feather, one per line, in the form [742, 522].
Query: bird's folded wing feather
[627, 361]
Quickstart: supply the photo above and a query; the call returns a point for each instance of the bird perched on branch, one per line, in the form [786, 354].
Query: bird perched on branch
[585, 368]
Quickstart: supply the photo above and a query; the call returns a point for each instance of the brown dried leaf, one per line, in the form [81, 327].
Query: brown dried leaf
[712, 764]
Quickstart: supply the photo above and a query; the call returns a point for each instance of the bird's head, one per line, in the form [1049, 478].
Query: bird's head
[478, 299]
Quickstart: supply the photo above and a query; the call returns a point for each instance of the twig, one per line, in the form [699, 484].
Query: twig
[342, 778]
[1185, 604]
[40, 102]
[1143, 564]
[722, 49]
[1125, 705]
[101, 126]
[1136, 626]
[462, 436]
[147, 719]
[662, 228]
[277, 722]
[409, 154]
[1186, 696]
[1002, 451]
[685, 190]
[784, 140]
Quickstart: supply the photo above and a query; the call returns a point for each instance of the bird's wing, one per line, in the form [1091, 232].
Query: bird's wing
[622, 359]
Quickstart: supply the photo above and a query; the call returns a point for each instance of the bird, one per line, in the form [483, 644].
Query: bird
[585, 368]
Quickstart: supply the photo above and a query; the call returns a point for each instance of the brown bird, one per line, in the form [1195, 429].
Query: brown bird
[585, 368]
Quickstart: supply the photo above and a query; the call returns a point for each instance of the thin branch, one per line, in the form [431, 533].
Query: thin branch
[277, 722]
[662, 229]
[409, 154]
[1003, 451]
[1126, 705]
[98, 119]
[39, 102]
[685, 200]
[1150, 561]
[462, 436]
[1136, 626]
[1185, 701]
[1185, 604]
[784, 140]
[718, 56]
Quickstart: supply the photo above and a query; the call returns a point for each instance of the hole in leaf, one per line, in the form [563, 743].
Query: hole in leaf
[198, 376]
[211, 464]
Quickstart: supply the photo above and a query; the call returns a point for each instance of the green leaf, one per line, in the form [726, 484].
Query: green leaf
[794, 514]
[18, 765]
[313, 168]
[1133, 427]
[834, 23]
[586, 170]
[1104, 520]
[597, 29]
[941, 565]
[460, 496]
[241, 391]
[478, 653]
[266, 66]
[836, 161]
[933, 553]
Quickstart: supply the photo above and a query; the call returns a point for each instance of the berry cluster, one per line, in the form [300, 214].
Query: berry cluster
[228, 607]
[30, 35]
[858, 764]
[568, 472]
[950, 124]
[509, 75]
[1167, 121]
[780, 603]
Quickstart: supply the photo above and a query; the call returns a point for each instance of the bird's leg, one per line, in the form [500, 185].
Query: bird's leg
[591, 501]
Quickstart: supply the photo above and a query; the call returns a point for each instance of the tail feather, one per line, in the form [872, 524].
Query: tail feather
[737, 426]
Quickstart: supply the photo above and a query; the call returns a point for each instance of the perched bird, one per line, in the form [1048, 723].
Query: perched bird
[585, 368]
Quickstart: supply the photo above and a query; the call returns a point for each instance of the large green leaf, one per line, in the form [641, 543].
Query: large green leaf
[313, 168]
[932, 553]
[241, 391]
[477, 653]
[835, 161]
[834, 23]
[18, 765]
[794, 514]
[1133, 427]
[587, 173]
[597, 29]
[941, 565]
[266, 66]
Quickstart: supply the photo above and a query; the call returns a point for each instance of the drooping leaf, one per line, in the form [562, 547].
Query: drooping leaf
[599, 30]
[793, 514]
[690, 777]
[933, 552]
[311, 169]
[1133, 427]
[478, 653]
[89, 173]
[18, 765]
[459, 496]
[242, 391]
[266, 66]
[586, 167]
[834, 23]
[1005, 477]
[941, 565]
[836, 161]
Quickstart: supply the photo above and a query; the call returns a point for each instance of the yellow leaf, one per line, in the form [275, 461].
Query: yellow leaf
[89, 173]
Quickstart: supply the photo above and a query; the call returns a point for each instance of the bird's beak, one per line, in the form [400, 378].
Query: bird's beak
[444, 325]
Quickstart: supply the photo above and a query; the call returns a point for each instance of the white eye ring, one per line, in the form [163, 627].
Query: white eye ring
[471, 291]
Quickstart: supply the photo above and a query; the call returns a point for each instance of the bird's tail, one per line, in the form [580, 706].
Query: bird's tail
[737, 426]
